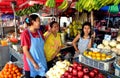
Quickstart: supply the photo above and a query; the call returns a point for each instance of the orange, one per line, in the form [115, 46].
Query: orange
[10, 76]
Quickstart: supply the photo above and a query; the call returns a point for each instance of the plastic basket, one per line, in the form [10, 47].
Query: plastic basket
[105, 66]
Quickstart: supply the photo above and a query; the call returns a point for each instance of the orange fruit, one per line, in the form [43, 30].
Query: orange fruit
[10, 76]
[16, 70]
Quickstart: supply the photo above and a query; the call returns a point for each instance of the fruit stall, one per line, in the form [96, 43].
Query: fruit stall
[100, 61]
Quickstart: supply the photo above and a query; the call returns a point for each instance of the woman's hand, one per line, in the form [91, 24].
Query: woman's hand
[36, 66]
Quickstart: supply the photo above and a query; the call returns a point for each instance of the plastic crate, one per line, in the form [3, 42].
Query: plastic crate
[105, 66]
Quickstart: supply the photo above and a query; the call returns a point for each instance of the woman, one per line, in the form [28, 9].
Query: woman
[52, 42]
[32, 42]
[84, 39]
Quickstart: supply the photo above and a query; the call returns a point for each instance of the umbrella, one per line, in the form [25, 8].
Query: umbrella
[112, 9]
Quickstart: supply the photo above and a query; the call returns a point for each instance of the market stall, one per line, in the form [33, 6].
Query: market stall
[100, 61]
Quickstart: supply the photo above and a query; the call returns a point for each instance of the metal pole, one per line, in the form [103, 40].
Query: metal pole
[14, 20]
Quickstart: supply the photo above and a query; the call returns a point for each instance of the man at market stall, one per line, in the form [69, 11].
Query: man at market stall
[32, 42]
[84, 40]
[52, 43]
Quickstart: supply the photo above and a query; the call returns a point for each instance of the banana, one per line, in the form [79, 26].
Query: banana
[64, 7]
[63, 4]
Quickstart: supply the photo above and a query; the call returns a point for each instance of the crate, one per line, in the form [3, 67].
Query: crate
[105, 66]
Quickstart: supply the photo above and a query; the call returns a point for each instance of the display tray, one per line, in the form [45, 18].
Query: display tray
[95, 50]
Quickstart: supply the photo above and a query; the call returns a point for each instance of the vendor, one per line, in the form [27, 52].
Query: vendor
[84, 39]
[52, 43]
[32, 42]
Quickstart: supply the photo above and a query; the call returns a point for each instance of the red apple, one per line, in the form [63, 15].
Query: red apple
[80, 64]
[69, 75]
[85, 70]
[86, 76]
[62, 76]
[74, 77]
[92, 74]
[70, 69]
[100, 75]
[74, 72]
[96, 71]
[66, 73]
[75, 64]
[79, 68]
[80, 74]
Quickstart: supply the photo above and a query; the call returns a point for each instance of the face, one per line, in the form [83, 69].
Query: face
[36, 23]
[55, 27]
[86, 29]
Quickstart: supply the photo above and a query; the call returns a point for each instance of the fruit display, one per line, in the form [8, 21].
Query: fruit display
[50, 3]
[93, 4]
[11, 70]
[113, 45]
[29, 10]
[77, 70]
[57, 70]
[74, 28]
[64, 5]
[99, 56]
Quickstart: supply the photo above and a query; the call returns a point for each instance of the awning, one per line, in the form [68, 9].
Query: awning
[5, 5]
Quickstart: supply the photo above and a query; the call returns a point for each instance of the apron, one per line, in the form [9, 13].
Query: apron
[37, 52]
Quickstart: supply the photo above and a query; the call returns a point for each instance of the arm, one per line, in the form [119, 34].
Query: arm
[90, 44]
[46, 35]
[74, 42]
[28, 55]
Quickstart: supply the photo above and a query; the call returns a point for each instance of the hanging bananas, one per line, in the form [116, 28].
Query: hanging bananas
[50, 3]
[64, 5]
[94, 4]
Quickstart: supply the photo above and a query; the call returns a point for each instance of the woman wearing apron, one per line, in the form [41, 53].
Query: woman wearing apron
[32, 42]
[84, 40]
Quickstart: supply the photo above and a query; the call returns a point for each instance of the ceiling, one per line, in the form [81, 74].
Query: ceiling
[5, 5]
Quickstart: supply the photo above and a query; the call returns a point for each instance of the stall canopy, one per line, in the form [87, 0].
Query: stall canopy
[5, 5]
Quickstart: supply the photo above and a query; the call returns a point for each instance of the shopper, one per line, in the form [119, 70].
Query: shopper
[32, 42]
[52, 43]
[84, 39]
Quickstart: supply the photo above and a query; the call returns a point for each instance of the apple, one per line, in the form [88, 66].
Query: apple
[80, 64]
[69, 75]
[80, 74]
[70, 69]
[85, 70]
[66, 73]
[86, 76]
[96, 71]
[74, 72]
[79, 68]
[75, 64]
[100, 75]
[74, 77]
[62, 76]
[92, 74]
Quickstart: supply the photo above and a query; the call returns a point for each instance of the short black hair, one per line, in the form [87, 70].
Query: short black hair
[53, 22]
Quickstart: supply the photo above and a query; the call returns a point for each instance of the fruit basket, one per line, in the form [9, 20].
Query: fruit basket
[99, 54]
[105, 65]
